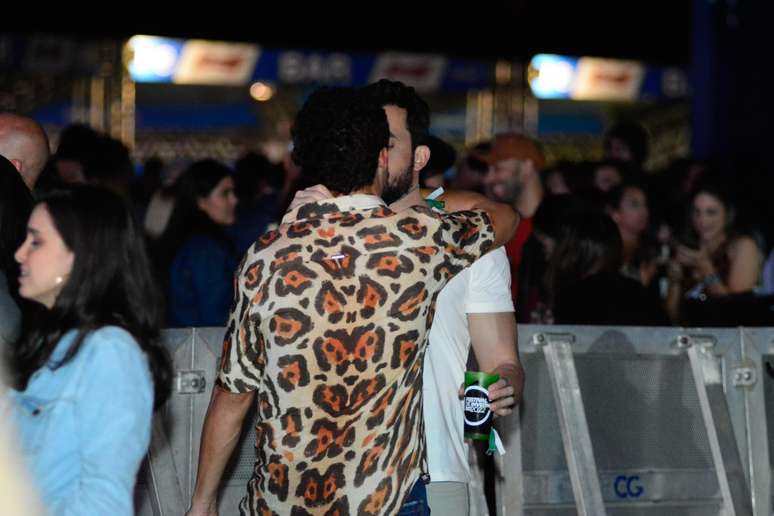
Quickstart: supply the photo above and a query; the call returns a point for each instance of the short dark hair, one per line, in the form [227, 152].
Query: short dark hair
[77, 142]
[615, 195]
[387, 93]
[251, 172]
[108, 159]
[633, 135]
[337, 137]
[110, 283]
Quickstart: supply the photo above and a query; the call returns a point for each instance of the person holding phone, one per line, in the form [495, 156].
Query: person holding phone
[713, 260]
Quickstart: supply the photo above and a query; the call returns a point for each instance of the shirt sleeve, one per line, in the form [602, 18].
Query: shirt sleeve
[489, 287]
[242, 360]
[114, 408]
[463, 237]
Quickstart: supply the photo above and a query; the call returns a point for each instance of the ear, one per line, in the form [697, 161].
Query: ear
[383, 161]
[201, 203]
[421, 157]
[18, 164]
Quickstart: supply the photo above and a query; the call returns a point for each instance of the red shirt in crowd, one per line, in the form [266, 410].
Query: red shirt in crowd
[515, 248]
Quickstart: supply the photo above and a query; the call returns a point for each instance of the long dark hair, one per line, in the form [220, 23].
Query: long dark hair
[717, 189]
[590, 245]
[187, 219]
[110, 284]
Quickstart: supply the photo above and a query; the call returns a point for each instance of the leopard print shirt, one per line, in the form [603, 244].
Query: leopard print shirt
[329, 325]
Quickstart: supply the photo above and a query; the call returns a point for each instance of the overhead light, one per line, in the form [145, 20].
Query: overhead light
[153, 59]
[551, 76]
[261, 91]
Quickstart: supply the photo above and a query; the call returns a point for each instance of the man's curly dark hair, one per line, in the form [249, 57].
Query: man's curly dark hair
[337, 137]
[386, 92]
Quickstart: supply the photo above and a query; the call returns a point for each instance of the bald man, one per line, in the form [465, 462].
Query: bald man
[25, 144]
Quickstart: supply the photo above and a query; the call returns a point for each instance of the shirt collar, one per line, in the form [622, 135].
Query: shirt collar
[322, 209]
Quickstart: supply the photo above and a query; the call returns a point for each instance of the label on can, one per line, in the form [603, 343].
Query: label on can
[476, 405]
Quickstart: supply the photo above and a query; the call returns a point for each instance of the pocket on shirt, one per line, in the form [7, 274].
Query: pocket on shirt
[45, 424]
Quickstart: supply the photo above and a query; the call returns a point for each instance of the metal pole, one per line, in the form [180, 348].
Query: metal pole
[572, 420]
[708, 379]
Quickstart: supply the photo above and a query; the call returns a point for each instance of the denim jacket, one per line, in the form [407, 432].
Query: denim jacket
[84, 428]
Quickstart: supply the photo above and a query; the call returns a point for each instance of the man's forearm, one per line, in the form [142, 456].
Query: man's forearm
[494, 339]
[222, 427]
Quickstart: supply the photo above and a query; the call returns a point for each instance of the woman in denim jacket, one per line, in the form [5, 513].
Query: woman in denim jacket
[91, 370]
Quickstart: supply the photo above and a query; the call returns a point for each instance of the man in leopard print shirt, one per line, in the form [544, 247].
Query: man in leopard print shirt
[329, 327]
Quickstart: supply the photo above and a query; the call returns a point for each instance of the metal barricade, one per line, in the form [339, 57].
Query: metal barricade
[617, 421]
[168, 474]
[667, 425]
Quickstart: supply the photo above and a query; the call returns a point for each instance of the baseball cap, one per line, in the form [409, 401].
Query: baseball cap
[515, 146]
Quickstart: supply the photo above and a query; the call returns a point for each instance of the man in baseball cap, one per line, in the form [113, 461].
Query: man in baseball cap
[515, 162]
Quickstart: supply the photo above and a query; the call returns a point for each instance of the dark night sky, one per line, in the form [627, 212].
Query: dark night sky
[655, 31]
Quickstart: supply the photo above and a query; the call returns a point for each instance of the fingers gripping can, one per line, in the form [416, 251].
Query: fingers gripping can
[478, 416]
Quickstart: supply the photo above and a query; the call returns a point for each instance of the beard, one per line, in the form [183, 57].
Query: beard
[397, 187]
[505, 191]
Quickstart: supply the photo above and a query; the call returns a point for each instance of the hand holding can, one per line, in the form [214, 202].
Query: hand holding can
[477, 413]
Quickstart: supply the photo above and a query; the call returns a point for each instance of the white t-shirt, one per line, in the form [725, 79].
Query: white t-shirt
[484, 287]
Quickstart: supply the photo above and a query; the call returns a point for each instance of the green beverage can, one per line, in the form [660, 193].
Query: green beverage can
[478, 416]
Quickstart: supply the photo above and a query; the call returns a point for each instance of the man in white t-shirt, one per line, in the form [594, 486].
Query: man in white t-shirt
[475, 308]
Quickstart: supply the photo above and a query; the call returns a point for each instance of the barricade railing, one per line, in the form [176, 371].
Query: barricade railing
[614, 420]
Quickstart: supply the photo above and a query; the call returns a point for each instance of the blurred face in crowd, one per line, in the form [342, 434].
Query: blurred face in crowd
[618, 149]
[220, 203]
[70, 171]
[504, 180]
[606, 178]
[44, 260]
[556, 184]
[632, 212]
[709, 216]
[400, 164]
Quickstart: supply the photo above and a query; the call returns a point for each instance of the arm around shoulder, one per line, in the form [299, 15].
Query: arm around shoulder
[503, 217]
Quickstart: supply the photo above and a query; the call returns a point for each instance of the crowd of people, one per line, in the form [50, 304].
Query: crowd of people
[351, 303]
